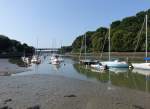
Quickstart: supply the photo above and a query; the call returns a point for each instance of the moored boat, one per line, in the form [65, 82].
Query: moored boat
[55, 59]
[145, 65]
[25, 60]
[98, 66]
[115, 64]
[36, 59]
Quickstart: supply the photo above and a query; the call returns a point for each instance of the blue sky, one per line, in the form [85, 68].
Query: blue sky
[56, 22]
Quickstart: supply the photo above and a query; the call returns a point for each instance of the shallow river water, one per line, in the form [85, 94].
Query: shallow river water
[134, 79]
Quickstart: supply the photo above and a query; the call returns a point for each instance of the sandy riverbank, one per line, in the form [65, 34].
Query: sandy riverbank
[56, 92]
[6, 68]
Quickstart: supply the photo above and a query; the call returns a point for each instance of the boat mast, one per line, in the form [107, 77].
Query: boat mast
[146, 38]
[36, 53]
[109, 45]
[81, 48]
[85, 46]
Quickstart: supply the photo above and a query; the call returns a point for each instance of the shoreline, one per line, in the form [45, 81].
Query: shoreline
[128, 56]
[58, 92]
[7, 68]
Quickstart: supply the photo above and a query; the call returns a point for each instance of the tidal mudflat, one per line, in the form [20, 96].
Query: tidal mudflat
[7, 68]
[66, 87]
[58, 92]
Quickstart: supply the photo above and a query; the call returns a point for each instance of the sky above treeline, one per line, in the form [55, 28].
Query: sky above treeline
[58, 22]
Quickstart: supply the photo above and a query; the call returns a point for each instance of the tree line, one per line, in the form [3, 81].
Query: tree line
[10, 46]
[124, 36]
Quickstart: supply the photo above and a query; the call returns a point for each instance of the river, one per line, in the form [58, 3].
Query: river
[132, 79]
[72, 86]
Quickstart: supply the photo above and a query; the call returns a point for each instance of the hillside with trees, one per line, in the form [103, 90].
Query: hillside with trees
[11, 47]
[124, 36]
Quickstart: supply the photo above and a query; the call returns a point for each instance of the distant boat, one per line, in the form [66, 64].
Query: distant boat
[98, 66]
[94, 64]
[25, 59]
[35, 58]
[145, 65]
[56, 59]
[115, 63]
[85, 60]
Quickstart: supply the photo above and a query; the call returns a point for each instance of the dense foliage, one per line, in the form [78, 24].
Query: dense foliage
[124, 36]
[8, 46]
[65, 49]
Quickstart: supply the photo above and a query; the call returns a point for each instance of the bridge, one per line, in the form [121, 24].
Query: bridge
[48, 49]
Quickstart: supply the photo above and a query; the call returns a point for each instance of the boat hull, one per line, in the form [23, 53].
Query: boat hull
[112, 64]
[98, 67]
[55, 62]
[35, 60]
[145, 66]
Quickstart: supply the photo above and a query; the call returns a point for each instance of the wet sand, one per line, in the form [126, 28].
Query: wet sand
[58, 92]
[6, 68]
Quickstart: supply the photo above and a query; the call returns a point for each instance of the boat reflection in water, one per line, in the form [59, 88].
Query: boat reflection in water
[56, 67]
[141, 71]
[146, 74]
[119, 70]
[118, 77]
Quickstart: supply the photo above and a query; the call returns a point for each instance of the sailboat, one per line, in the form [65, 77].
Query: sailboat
[93, 64]
[146, 65]
[55, 59]
[35, 58]
[114, 63]
[25, 59]
[98, 66]
[84, 61]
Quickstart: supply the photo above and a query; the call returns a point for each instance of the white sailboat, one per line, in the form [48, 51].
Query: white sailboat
[58, 57]
[145, 65]
[115, 63]
[25, 59]
[35, 58]
[95, 65]
[55, 59]
[85, 60]
[98, 66]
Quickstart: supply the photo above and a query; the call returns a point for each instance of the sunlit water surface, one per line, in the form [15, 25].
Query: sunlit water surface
[134, 79]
